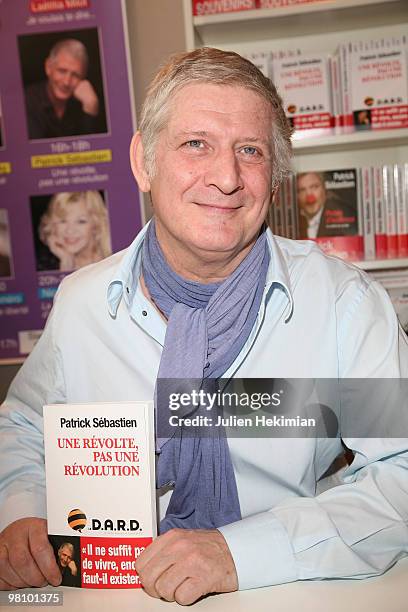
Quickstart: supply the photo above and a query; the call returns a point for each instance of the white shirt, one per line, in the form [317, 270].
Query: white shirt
[319, 317]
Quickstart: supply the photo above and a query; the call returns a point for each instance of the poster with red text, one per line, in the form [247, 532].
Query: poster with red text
[101, 497]
[68, 196]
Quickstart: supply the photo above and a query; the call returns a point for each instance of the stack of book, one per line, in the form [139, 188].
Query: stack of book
[362, 86]
[354, 213]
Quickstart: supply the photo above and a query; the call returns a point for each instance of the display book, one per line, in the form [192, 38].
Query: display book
[354, 213]
[363, 85]
[101, 497]
[214, 7]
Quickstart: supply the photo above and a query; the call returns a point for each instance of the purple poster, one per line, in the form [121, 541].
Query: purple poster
[68, 197]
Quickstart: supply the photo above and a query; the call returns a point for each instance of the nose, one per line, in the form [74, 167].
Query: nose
[67, 80]
[70, 229]
[310, 198]
[224, 173]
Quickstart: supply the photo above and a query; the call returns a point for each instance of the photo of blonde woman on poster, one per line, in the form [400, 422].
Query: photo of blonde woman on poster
[74, 228]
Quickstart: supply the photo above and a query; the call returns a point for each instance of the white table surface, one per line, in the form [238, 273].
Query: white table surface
[387, 593]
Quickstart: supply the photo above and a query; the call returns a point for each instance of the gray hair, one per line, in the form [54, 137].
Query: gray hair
[209, 65]
[73, 47]
[67, 545]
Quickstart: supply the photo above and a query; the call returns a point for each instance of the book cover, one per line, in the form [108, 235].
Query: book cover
[379, 85]
[401, 204]
[101, 498]
[368, 212]
[274, 4]
[327, 204]
[213, 7]
[278, 213]
[380, 215]
[289, 207]
[390, 211]
[305, 86]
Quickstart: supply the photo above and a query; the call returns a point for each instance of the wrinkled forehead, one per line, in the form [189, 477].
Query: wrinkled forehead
[233, 105]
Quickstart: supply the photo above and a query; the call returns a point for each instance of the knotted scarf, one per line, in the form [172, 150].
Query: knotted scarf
[208, 325]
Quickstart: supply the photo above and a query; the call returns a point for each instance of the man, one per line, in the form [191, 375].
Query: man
[67, 565]
[322, 213]
[66, 104]
[207, 278]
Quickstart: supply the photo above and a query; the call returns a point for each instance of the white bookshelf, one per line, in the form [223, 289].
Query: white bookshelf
[291, 11]
[354, 140]
[383, 264]
[319, 27]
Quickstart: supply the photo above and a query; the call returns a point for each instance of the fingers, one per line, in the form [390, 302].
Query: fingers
[168, 583]
[8, 577]
[188, 592]
[43, 554]
[26, 557]
[23, 564]
[5, 586]
[183, 565]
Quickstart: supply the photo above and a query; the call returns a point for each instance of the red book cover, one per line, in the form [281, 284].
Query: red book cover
[368, 212]
[390, 211]
[213, 7]
[380, 215]
[401, 204]
[101, 496]
[327, 204]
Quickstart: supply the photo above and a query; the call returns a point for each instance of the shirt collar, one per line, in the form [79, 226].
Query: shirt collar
[278, 273]
[125, 280]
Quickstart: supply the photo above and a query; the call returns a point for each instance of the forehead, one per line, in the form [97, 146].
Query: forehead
[310, 179]
[231, 105]
[71, 208]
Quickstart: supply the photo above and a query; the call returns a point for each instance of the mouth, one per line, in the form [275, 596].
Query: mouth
[217, 208]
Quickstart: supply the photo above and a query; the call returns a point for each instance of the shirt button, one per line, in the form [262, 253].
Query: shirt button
[127, 290]
[144, 313]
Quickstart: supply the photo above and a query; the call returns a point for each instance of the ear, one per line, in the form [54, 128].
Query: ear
[274, 194]
[138, 163]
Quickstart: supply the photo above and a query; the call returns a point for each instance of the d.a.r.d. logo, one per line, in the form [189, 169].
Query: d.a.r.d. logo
[77, 519]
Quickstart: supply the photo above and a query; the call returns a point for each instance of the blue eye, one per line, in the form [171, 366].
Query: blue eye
[250, 150]
[194, 144]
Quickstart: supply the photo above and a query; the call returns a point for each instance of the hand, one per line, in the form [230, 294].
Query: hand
[72, 566]
[184, 564]
[85, 93]
[66, 260]
[26, 556]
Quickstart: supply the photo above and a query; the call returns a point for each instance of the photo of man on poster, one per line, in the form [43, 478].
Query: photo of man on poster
[62, 100]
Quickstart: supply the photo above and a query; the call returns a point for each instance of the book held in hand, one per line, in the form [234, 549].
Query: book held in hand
[101, 498]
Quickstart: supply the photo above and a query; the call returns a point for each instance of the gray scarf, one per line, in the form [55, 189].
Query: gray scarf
[208, 325]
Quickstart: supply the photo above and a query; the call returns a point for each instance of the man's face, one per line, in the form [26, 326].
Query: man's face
[64, 73]
[64, 556]
[212, 186]
[311, 193]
